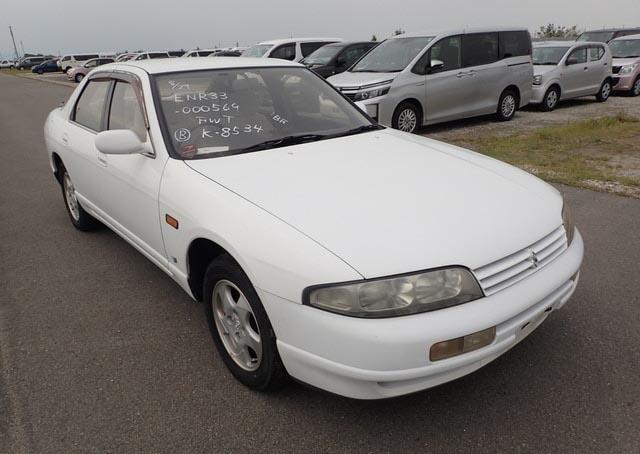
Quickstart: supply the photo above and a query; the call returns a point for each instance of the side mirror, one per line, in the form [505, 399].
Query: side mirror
[119, 141]
[435, 65]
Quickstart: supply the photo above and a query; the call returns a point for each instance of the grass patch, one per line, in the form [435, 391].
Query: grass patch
[601, 153]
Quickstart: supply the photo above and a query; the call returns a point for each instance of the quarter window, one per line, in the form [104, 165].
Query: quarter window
[90, 107]
[515, 44]
[125, 110]
[448, 51]
[480, 49]
[285, 52]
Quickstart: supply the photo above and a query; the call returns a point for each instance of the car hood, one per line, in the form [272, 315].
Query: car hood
[356, 80]
[539, 70]
[625, 61]
[388, 202]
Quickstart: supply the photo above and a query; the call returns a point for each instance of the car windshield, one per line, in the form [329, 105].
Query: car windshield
[322, 56]
[257, 51]
[216, 113]
[549, 55]
[599, 37]
[625, 48]
[392, 55]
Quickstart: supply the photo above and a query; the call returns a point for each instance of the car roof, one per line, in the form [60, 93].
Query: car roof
[348, 43]
[460, 31]
[296, 40]
[614, 29]
[160, 66]
[560, 43]
[621, 38]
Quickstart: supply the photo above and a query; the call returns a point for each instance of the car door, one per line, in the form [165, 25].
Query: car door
[575, 74]
[599, 67]
[86, 120]
[447, 86]
[483, 71]
[130, 183]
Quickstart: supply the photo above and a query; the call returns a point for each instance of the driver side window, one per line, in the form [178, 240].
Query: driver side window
[125, 110]
[577, 56]
[449, 52]
[285, 52]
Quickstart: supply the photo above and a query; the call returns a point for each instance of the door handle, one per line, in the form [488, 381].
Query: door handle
[65, 139]
[102, 159]
[419, 84]
[586, 68]
[460, 75]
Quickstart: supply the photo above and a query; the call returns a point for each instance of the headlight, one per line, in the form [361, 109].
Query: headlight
[628, 69]
[400, 295]
[537, 80]
[567, 220]
[362, 96]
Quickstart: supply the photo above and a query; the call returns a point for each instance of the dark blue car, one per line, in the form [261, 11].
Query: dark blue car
[48, 66]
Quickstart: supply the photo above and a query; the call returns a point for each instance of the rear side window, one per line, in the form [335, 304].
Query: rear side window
[596, 53]
[309, 48]
[158, 55]
[285, 52]
[89, 109]
[480, 49]
[515, 44]
[125, 110]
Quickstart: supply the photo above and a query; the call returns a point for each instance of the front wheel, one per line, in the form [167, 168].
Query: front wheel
[605, 91]
[635, 90]
[41, 72]
[240, 328]
[79, 77]
[507, 106]
[407, 117]
[551, 98]
[80, 219]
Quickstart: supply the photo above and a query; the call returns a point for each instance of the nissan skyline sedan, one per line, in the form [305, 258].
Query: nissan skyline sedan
[358, 259]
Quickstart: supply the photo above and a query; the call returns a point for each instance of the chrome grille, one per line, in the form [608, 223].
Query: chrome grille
[507, 271]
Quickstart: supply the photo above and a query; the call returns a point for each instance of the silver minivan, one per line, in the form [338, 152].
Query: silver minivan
[421, 79]
[565, 70]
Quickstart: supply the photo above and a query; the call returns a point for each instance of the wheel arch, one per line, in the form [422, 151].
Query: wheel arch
[515, 89]
[413, 101]
[200, 253]
[57, 164]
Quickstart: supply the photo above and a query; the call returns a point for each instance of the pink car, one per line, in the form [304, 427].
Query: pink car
[626, 64]
[78, 73]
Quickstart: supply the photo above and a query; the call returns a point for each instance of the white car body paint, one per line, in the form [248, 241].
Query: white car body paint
[363, 206]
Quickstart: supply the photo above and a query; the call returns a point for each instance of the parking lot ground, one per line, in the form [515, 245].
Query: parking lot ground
[101, 352]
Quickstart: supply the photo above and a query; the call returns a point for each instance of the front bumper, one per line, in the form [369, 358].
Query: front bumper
[537, 94]
[624, 83]
[380, 358]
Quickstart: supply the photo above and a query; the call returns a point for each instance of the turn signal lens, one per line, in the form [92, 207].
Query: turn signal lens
[460, 345]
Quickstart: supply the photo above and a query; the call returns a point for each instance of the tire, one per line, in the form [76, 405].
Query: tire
[80, 219]
[507, 105]
[240, 328]
[67, 69]
[551, 99]
[78, 78]
[407, 117]
[635, 88]
[605, 91]
[40, 72]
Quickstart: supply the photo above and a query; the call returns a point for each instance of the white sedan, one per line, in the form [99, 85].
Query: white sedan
[358, 259]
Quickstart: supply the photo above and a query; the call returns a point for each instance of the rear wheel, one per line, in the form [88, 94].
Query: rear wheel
[605, 91]
[635, 89]
[507, 105]
[40, 71]
[80, 219]
[551, 98]
[240, 327]
[407, 117]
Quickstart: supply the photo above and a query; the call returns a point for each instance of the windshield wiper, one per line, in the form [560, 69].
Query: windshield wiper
[358, 130]
[284, 141]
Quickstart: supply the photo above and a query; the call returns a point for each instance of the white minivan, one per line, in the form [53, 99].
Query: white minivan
[293, 49]
[421, 79]
[71, 61]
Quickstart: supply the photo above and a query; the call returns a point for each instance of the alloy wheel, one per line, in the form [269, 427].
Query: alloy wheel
[407, 120]
[552, 99]
[237, 325]
[508, 106]
[71, 198]
[606, 90]
[636, 87]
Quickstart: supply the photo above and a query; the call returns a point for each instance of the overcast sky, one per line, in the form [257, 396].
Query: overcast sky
[63, 26]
